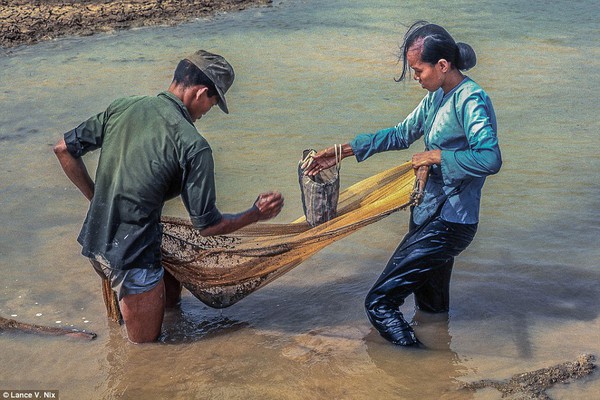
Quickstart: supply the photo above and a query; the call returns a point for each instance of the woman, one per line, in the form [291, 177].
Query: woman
[458, 124]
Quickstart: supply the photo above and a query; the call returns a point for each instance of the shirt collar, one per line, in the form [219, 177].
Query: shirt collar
[184, 111]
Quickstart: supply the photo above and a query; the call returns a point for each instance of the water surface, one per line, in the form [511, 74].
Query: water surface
[310, 74]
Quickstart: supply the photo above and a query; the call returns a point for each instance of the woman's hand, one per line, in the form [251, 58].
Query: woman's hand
[326, 158]
[426, 158]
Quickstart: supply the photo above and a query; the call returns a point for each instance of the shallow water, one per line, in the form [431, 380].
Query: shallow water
[310, 74]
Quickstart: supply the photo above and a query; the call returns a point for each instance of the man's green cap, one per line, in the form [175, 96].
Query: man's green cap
[218, 70]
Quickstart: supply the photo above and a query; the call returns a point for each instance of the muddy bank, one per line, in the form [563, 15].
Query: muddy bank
[31, 21]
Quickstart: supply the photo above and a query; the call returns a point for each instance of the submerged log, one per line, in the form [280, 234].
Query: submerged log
[533, 385]
[13, 325]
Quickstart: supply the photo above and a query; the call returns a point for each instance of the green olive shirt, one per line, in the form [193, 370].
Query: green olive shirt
[150, 153]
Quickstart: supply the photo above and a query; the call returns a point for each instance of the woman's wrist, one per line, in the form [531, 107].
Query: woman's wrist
[347, 150]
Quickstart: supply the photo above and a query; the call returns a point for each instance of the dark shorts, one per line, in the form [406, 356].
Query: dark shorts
[130, 281]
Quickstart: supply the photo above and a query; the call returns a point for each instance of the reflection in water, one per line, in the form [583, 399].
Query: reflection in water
[513, 299]
[116, 350]
[336, 361]
[434, 369]
[180, 328]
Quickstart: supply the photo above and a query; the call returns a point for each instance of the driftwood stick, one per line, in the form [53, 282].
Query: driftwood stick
[13, 325]
[533, 385]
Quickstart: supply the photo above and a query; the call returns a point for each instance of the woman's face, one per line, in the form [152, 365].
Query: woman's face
[429, 76]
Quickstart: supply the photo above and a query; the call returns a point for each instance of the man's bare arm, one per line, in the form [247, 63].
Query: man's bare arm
[74, 169]
[267, 206]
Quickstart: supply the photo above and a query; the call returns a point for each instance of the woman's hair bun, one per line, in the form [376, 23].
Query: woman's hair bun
[466, 57]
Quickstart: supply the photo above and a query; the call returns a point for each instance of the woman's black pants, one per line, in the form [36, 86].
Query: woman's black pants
[422, 264]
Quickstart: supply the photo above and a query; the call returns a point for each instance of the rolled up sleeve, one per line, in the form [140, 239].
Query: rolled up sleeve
[199, 192]
[86, 137]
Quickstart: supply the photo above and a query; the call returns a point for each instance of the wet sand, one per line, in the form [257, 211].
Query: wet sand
[32, 21]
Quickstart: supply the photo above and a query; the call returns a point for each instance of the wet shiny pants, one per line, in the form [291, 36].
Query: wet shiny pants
[422, 264]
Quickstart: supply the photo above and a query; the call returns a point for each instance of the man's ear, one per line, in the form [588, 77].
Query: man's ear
[201, 90]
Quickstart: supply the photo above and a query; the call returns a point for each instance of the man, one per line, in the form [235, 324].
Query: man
[152, 152]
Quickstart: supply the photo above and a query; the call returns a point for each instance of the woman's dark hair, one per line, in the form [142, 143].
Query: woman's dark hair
[187, 74]
[437, 45]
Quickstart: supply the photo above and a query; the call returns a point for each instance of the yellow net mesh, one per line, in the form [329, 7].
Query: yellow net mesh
[221, 270]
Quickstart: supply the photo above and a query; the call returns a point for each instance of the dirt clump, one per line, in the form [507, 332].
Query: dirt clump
[533, 385]
[32, 21]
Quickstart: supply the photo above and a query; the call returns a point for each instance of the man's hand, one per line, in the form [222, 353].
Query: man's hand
[269, 205]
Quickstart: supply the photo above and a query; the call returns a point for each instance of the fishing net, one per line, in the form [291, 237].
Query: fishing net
[221, 270]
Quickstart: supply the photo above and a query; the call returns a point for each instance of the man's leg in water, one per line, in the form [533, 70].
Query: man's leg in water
[172, 291]
[141, 294]
[143, 314]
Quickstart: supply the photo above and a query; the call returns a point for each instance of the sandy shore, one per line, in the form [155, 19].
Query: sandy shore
[31, 21]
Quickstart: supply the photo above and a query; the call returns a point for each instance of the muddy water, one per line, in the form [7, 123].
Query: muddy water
[310, 74]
